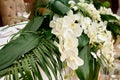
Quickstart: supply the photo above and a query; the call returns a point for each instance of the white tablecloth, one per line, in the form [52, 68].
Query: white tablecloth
[6, 32]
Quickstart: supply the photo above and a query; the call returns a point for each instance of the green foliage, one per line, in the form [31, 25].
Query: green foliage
[34, 24]
[90, 69]
[16, 48]
[99, 3]
[112, 25]
[28, 67]
[59, 7]
[106, 17]
[33, 51]
[114, 28]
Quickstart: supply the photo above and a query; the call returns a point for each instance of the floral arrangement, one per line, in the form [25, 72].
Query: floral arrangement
[68, 39]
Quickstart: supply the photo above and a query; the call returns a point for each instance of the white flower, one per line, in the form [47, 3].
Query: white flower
[73, 61]
[70, 55]
[108, 11]
[67, 29]
[104, 10]
[98, 54]
[102, 36]
[75, 8]
[70, 22]
[72, 3]
[93, 12]
[85, 23]
[70, 40]
[57, 26]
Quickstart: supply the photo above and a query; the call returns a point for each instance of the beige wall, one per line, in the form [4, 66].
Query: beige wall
[9, 10]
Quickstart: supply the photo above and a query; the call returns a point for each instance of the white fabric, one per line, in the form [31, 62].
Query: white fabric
[6, 32]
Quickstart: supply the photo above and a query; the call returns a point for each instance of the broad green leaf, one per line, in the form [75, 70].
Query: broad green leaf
[58, 7]
[83, 71]
[14, 49]
[34, 24]
[90, 69]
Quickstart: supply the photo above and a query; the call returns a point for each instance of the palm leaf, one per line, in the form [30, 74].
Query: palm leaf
[29, 66]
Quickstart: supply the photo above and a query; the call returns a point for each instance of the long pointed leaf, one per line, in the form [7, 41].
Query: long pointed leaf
[34, 24]
[42, 64]
[14, 49]
[34, 67]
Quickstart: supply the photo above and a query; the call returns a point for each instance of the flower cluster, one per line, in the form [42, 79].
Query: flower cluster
[72, 25]
[67, 32]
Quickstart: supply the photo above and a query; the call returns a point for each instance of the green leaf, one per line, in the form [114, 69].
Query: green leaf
[106, 17]
[114, 28]
[22, 73]
[58, 7]
[15, 74]
[90, 69]
[83, 11]
[26, 68]
[42, 64]
[106, 4]
[83, 71]
[97, 3]
[35, 68]
[83, 40]
[33, 24]
[14, 49]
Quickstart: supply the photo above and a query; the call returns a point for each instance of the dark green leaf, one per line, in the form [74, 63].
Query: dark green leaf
[58, 7]
[114, 28]
[106, 17]
[14, 49]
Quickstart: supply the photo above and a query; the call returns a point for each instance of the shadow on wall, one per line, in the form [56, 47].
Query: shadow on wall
[114, 5]
[118, 11]
[1, 21]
